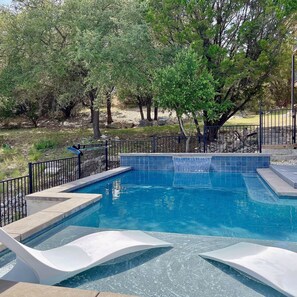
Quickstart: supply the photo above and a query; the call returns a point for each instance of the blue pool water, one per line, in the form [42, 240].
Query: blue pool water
[220, 204]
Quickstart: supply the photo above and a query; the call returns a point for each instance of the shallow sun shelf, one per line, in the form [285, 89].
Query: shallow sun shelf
[52, 266]
[272, 266]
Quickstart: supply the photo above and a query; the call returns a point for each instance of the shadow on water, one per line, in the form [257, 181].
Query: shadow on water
[113, 267]
[247, 280]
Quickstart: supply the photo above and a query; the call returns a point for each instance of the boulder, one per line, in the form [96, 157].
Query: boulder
[52, 170]
[145, 123]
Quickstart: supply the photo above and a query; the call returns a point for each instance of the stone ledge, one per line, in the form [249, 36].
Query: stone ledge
[45, 199]
[62, 191]
[13, 289]
[279, 186]
[196, 154]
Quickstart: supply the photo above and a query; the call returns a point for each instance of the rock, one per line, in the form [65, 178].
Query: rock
[52, 170]
[145, 123]
[129, 125]
[114, 125]
[162, 121]
[104, 136]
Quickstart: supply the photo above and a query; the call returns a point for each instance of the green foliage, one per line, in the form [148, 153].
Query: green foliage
[185, 87]
[44, 144]
[240, 41]
[57, 54]
[7, 107]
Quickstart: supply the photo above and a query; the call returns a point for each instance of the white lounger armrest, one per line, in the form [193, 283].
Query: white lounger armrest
[275, 267]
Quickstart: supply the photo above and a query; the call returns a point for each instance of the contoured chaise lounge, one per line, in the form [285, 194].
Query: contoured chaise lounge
[275, 267]
[52, 266]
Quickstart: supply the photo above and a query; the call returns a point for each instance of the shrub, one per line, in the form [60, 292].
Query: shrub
[44, 144]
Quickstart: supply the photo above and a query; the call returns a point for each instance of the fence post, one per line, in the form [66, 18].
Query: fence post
[106, 154]
[30, 178]
[260, 128]
[154, 144]
[79, 165]
[294, 125]
[293, 97]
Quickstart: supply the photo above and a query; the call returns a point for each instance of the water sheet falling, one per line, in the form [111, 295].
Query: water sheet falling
[191, 164]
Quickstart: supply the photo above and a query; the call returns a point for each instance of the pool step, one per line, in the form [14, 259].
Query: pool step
[286, 172]
[276, 183]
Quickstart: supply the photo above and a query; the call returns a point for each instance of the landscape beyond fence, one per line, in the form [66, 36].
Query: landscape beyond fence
[104, 155]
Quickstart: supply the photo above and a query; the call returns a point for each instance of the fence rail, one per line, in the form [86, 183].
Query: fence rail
[47, 174]
[12, 199]
[231, 139]
[278, 126]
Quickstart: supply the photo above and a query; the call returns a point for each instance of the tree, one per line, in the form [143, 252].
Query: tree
[277, 91]
[187, 88]
[132, 58]
[48, 44]
[36, 71]
[239, 41]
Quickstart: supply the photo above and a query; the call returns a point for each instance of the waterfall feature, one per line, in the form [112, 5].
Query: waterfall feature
[191, 164]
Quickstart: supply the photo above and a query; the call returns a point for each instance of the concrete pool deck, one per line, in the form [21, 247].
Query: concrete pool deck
[12, 289]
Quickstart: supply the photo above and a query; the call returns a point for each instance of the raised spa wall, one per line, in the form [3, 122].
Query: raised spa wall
[243, 163]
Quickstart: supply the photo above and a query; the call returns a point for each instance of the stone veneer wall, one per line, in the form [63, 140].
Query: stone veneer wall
[219, 163]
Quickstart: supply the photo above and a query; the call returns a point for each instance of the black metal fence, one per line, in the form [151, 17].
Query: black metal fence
[47, 174]
[12, 199]
[42, 175]
[278, 126]
[232, 139]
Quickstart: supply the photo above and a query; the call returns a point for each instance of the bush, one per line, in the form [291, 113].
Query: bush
[44, 144]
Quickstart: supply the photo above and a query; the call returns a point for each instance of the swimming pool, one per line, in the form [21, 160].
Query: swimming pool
[211, 203]
[200, 211]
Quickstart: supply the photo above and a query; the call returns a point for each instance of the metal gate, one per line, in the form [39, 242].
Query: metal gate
[278, 126]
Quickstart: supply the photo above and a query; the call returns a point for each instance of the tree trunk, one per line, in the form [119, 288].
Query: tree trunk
[34, 122]
[196, 125]
[139, 101]
[213, 127]
[96, 129]
[156, 113]
[108, 106]
[148, 112]
[148, 108]
[94, 114]
[183, 131]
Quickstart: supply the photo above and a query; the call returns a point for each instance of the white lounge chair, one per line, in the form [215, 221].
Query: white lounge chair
[52, 266]
[272, 266]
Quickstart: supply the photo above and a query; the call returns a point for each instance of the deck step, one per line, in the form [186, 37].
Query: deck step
[276, 183]
[286, 172]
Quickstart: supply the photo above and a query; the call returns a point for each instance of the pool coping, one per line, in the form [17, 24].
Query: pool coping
[198, 154]
[62, 192]
[44, 199]
[21, 289]
[277, 184]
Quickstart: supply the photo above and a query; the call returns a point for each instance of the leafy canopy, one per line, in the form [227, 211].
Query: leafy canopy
[239, 41]
[186, 86]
